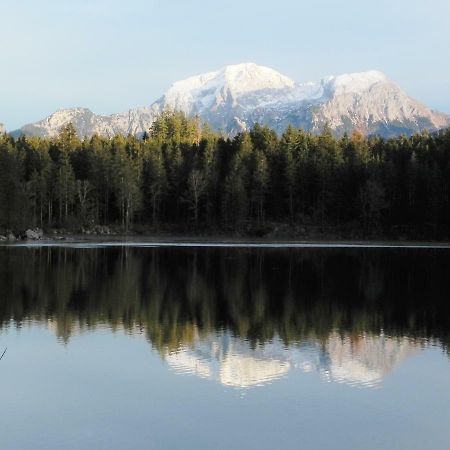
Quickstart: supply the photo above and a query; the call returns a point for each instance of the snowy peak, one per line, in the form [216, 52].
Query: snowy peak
[227, 84]
[250, 85]
[239, 78]
[236, 97]
[354, 83]
[249, 77]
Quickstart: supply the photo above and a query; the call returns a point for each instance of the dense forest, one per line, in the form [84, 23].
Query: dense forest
[183, 177]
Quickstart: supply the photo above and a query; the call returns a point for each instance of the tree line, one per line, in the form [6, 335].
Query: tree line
[182, 176]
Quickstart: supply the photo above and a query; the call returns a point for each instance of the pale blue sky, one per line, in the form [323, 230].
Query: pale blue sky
[110, 55]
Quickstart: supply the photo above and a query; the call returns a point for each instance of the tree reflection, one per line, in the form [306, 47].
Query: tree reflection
[176, 296]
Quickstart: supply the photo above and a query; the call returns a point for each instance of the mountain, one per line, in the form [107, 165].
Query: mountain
[236, 97]
[134, 121]
[2, 128]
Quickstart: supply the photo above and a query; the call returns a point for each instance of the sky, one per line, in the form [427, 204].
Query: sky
[112, 55]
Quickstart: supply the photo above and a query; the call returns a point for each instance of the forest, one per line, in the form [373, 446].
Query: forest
[182, 177]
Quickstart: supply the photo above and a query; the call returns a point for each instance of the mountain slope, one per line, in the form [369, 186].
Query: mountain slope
[236, 97]
[373, 104]
[134, 121]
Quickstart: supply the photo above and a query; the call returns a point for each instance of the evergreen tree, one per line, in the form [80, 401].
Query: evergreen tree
[183, 173]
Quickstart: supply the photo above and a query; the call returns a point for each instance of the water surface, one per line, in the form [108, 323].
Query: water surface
[224, 347]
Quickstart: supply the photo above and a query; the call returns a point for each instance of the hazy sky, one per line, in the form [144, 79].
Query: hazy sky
[110, 55]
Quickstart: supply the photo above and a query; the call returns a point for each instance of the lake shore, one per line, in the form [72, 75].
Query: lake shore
[106, 236]
[191, 240]
[273, 234]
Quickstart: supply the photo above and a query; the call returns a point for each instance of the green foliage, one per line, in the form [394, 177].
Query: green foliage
[184, 176]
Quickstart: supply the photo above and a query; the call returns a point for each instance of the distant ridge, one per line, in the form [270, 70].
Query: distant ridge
[236, 97]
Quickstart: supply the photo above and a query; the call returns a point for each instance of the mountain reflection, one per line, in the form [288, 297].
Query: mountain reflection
[363, 360]
[243, 317]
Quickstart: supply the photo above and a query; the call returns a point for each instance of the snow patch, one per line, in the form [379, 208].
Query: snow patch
[355, 82]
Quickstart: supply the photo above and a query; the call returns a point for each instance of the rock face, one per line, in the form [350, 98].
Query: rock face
[134, 122]
[2, 128]
[236, 97]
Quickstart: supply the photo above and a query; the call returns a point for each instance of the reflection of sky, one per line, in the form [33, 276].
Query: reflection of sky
[104, 390]
[363, 360]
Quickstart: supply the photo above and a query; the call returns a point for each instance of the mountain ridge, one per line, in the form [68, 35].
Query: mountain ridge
[236, 97]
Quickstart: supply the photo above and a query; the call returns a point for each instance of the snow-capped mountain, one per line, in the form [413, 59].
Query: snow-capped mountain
[236, 97]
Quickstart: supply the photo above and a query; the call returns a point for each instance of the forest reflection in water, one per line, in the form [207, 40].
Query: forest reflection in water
[243, 317]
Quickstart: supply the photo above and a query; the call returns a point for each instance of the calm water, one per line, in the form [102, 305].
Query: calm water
[224, 348]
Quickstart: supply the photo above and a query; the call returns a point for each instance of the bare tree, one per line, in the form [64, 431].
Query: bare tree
[83, 189]
[197, 184]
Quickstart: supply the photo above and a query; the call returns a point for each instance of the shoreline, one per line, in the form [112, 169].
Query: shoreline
[80, 241]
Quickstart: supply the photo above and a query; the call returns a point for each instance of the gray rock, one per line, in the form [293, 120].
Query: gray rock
[34, 235]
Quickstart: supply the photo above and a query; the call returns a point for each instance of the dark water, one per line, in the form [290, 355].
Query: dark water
[224, 348]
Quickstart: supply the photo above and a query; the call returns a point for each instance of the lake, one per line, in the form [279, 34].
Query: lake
[200, 347]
